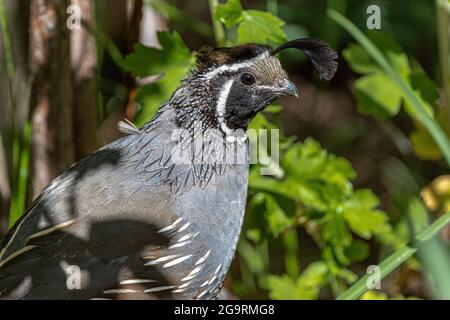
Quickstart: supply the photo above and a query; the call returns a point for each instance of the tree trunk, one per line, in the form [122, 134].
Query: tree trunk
[83, 61]
[51, 93]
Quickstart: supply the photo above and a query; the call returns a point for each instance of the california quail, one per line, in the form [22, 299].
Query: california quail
[153, 215]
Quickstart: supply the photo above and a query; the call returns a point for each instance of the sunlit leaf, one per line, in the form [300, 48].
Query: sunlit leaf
[229, 13]
[359, 60]
[260, 27]
[362, 217]
[306, 287]
[146, 61]
[377, 94]
[336, 233]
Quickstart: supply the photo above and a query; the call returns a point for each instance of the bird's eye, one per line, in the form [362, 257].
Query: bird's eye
[247, 78]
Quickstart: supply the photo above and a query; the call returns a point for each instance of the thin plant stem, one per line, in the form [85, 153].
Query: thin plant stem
[219, 32]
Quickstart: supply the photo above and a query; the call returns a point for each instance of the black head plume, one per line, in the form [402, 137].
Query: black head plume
[213, 57]
[321, 55]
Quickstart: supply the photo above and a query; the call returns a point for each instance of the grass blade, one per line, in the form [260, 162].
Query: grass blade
[19, 195]
[397, 258]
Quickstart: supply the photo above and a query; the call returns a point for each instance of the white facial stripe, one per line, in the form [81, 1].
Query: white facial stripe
[228, 68]
[221, 105]
[267, 87]
[236, 66]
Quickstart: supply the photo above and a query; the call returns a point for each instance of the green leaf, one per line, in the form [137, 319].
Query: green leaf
[278, 220]
[409, 107]
[257, 182]
[357, 251]
[282, 288]
[306, 287]
[310, 195]
[362, 217]
[321, 179]
[400, 64]
[229, 13]
[377, 94]
[309, 156]
[145, 61]
[336, 233]
[358, 59]
[423, 84]
[252, 257]
[260, 27]
[318, 179]
[339, 172]
[173, 60]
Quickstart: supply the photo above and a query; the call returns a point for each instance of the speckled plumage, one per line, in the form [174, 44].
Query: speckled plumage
[151, 215]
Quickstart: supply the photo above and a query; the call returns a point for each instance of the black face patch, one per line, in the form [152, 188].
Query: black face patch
[244, 103]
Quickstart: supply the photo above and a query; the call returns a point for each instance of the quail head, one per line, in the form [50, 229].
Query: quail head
[156, 214]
